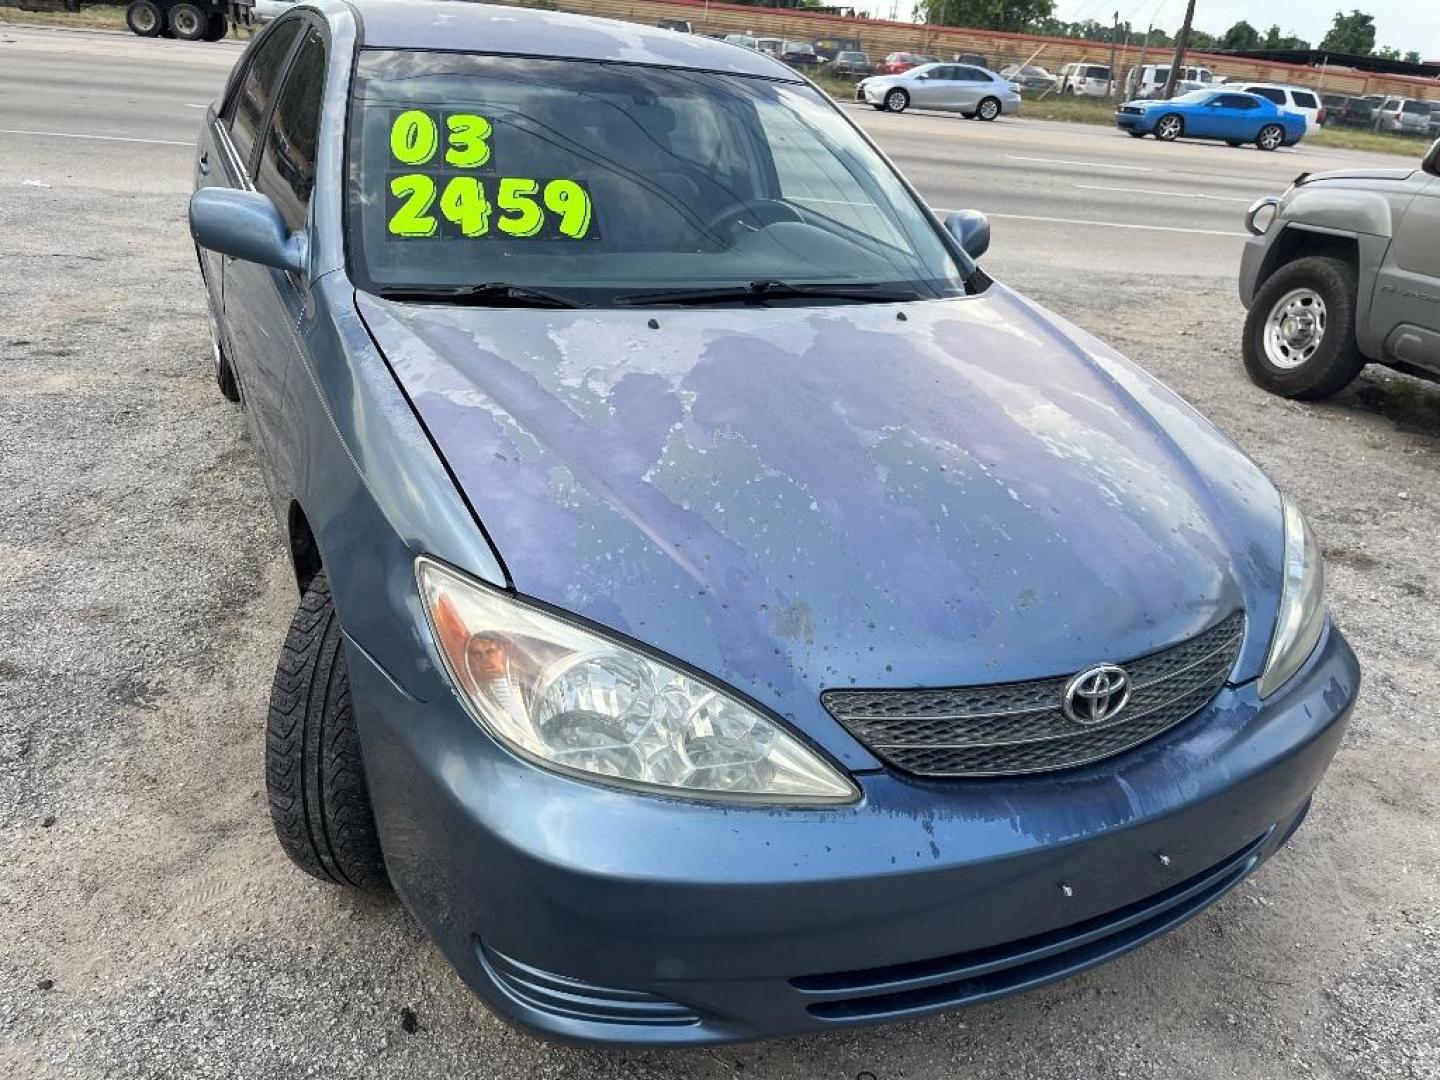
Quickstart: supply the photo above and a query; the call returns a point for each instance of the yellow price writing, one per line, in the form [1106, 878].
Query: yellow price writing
[522, 204]
[415, 136]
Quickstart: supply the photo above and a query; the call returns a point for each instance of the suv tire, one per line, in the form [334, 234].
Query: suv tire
[187, 22]
[314, 774]
[1300, 333]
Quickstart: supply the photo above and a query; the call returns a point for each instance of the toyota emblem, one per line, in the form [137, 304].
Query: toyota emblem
[1096, 695]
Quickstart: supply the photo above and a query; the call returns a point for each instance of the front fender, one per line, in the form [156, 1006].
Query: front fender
[1338, 210]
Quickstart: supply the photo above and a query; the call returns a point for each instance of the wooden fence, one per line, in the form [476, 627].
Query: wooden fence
[880, 37]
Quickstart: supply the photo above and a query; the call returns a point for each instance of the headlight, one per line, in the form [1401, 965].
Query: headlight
[1302, 603]
[577, 702]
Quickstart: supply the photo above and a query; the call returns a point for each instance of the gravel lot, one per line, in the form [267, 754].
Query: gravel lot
[149, 925]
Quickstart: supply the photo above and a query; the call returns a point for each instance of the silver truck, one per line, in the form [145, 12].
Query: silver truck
[1340, 271]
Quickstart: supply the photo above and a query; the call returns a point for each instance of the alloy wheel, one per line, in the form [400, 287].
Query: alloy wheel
[989, 109]
[1295, 328]
[1270, 137]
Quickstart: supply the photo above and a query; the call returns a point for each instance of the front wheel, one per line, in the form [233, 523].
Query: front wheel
[145, 18]
[1169, 127]
[1233, 142]
[988, 109]
[1271, 137]
[1300, 332]
[897, 101]
[314, 774]
[1135, 134]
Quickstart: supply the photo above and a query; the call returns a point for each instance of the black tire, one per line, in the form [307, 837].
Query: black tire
[187, 22]
[1069, 90]
[145, 18]
[314, 774]
[1169, 127]
[218, 28]
[1136, 134]
[1337, 359]
[988, 109]
[878, 108]
[896, 101]
[225, 375]
[1270, 137]
[1233, 142]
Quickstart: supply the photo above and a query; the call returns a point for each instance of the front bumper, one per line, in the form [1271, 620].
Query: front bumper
[591, 914]
[1132, 121]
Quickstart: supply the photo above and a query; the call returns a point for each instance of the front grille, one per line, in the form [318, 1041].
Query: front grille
[1013, 728]
[983, 974]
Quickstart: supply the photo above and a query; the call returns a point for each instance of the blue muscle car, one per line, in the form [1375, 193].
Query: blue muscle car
[1226, 115]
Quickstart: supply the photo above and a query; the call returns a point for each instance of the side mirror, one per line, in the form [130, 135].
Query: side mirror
[1431, 161]
[972, 229]
[245, 225]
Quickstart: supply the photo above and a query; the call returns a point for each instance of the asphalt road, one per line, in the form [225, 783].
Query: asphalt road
[149, 925]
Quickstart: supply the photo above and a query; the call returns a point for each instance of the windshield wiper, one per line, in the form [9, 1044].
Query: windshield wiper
[757, 292]
[490, 294]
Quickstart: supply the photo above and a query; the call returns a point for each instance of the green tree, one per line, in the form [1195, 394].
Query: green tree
[1353, 33]
[986, 14]
[1241, 36]
[1388, 52]
[1412, 57]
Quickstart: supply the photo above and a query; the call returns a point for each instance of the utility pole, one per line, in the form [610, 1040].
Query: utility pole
[1182, 43]
[1114, 43]
[1140, 64]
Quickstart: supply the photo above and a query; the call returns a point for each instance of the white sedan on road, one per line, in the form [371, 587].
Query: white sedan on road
[964, 88]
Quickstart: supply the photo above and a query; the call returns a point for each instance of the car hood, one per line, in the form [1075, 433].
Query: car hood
[1358, 177]
[794, 499]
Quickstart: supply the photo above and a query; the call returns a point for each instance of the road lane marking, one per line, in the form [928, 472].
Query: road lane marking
[100, 138]
[1170, 194]
[1087, 164]
[192, 105]
[1109, 224]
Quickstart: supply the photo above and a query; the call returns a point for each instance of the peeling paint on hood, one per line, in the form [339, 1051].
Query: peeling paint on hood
[795, 499]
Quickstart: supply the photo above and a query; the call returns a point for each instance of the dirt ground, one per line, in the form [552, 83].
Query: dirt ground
[149, 925]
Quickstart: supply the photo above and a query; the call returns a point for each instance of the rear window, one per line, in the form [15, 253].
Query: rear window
[1305, 100]
[1096, 72]
[1269, 93]
[1421, 108]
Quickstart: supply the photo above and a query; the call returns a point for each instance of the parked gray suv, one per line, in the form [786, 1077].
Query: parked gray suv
[1341, 270]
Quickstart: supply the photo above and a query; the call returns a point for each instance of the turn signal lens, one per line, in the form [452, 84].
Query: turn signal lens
[575, 701]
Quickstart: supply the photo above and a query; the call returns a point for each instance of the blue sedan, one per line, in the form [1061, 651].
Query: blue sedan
[1225, 115]
[723, 610]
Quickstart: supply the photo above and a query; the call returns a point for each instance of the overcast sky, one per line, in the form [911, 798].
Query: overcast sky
[1405, 24]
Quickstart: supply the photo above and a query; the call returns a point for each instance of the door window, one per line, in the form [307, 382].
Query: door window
[287, 163]
[247, 109]
[968, 74]
[1268, 92]
[1236, 101]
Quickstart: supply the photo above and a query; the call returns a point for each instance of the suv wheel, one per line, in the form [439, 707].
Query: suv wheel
[314, 774]
[1300, 333]
[897, 101]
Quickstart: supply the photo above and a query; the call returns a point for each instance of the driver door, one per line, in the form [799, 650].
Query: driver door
[927, 89]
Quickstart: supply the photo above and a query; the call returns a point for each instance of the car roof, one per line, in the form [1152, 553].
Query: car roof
[516, 31]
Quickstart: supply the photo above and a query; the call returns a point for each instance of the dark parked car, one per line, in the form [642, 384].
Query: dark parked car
[977, 59]
[1029, 77]
[1350, 111]
[828, 48]
[851, 63]
[799, 54]
[724, 610]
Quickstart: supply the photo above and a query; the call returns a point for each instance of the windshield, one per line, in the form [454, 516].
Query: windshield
[594, 180]
[1195, 97]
